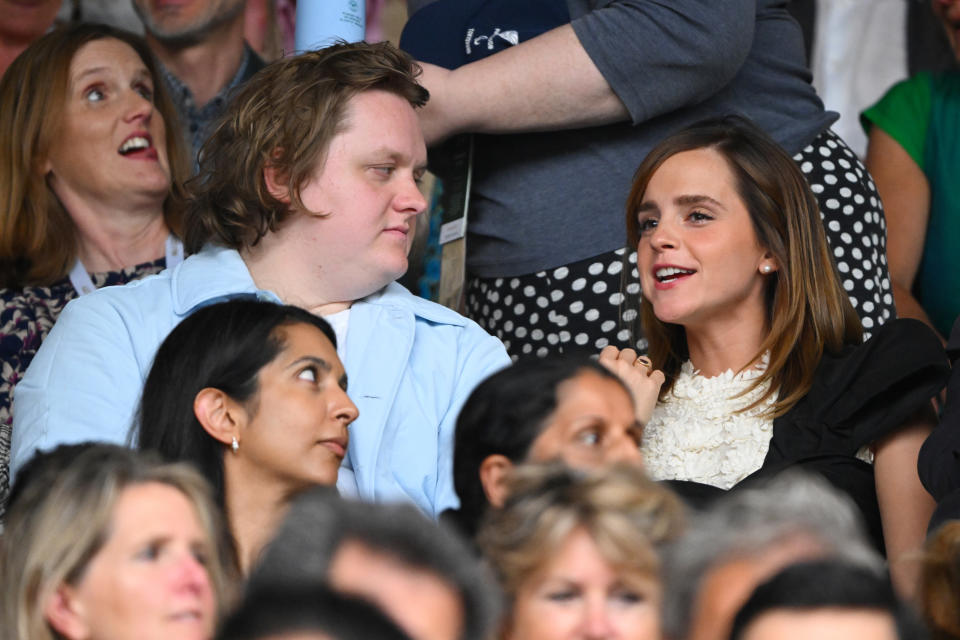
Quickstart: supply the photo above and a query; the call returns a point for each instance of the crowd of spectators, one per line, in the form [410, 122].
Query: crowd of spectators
[682, 406]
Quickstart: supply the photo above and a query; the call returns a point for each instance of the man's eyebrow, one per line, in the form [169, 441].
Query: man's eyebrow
[396, 156]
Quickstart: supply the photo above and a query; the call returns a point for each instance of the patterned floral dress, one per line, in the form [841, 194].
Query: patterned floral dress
[26, 318]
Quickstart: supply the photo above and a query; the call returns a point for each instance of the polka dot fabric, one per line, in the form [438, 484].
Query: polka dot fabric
[580, 307]
[853, 220]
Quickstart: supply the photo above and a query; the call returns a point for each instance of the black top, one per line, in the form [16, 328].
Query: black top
[939, 463]
[859, 396]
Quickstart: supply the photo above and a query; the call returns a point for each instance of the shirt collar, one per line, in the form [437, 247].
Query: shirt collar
[182, 92]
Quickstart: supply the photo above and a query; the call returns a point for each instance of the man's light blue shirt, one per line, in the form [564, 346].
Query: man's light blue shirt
[411, 365]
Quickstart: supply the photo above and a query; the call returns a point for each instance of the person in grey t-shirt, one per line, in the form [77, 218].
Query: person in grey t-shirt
[567, 108]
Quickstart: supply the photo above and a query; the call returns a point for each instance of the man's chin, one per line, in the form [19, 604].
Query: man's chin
[177, 32]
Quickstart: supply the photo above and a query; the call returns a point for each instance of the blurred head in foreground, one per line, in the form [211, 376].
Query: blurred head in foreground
[578, 553]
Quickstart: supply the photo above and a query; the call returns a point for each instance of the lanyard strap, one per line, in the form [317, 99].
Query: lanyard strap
[83, 285]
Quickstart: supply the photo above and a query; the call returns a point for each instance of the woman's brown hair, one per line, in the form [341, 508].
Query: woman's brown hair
[38, 239]
[940, 581]
[284, 119]
[808, 311]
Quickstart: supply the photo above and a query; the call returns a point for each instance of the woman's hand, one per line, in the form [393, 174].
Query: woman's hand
[638, 375]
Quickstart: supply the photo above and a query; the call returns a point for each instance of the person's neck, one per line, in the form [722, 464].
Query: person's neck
[718, 346]
[205, 67]
[271, 267]
[109, 240]
[255, 511]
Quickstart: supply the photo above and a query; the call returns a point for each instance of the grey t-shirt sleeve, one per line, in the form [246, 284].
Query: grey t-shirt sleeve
[659, 56]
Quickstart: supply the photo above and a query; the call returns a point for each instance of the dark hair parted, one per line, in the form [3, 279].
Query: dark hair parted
[827, 584]
[320, 522]
[284, 119]
[808, 311]
[223, 346]
[504, 415]
[297, 609]
[38, 239]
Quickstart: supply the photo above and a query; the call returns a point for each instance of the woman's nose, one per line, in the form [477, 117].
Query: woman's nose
[138, 107]
[192, 575]
[663, 237]
[624, 450]
[596, 623]
[344, 409]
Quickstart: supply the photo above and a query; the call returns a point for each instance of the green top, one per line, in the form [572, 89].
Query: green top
[922, 114]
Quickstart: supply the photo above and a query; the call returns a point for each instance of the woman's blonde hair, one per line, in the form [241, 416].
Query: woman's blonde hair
[808, 311]
[61, 518]
[38, 239]
[627, 515]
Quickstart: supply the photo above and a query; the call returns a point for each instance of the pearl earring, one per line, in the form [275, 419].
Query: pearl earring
[235, 446]
[767, 268]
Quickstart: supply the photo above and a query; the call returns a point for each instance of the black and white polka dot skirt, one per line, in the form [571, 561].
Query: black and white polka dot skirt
[581, 307]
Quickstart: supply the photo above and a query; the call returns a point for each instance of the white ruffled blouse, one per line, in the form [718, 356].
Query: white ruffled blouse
[698, 434]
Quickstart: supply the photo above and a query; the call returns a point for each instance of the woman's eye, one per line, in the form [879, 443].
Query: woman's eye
[94, 94]
[627, 596]
[565, 595]
[646, 224]
[202, 556]
[145, 91]
[150, 552]
[700, 216]
[589, 437]
[309, 374]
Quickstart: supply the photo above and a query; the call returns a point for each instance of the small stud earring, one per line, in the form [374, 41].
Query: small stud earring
[767, 268]
[235, 446]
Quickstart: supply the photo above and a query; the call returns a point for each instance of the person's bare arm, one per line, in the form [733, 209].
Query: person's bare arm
[905, 194]
[548, 82]
[905, 506]
[660, 55]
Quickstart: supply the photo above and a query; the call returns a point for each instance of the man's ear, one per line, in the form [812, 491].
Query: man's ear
[494, 471]
[65, 613]
[219, 414]
[277, 182]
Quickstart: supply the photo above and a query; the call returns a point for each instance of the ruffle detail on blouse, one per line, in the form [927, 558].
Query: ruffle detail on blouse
[696, 433]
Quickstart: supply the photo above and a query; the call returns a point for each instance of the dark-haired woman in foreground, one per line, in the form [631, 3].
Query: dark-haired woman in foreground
[254, 395]
[749, 320]
[563, 408]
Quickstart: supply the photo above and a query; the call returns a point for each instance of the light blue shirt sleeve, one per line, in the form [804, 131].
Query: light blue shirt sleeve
[83, 384]
[483, 355]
